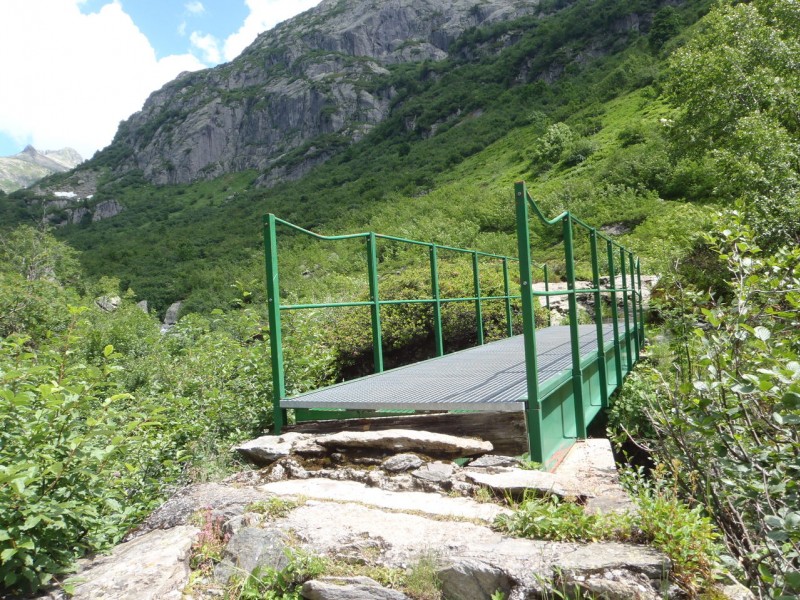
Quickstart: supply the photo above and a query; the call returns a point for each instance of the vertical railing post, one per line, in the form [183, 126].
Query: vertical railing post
[625, 307]
[547, 296]
[577, 375]
[437, 303]
[641, 302]
[634, 303]
[612, 277]
[533, 413]
[375, 308]
[274, 316]
[598, 319]
[476, 280]
[507, 294]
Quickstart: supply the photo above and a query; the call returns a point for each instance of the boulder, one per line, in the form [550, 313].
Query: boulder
[266, 449]
[401, 462]
[348, 588]
[108, 303]
[171, 316]
[515, 482]
[252, 547]
[472, 578]
[406, 440]
[613, 584]
[154, 566]
[435, 472]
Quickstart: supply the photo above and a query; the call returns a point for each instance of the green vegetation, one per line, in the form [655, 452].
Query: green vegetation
[102, 416]
[659, 136]
[266, 583]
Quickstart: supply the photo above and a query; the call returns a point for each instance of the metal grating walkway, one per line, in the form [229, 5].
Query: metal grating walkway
[485, 378]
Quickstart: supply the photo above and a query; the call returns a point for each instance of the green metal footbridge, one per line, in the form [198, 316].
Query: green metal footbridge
[557, 378]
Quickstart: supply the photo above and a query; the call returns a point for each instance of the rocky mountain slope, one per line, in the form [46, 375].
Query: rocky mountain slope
[30, 165]
[319, 77]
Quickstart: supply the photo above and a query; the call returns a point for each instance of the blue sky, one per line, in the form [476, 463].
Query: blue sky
[73, 69]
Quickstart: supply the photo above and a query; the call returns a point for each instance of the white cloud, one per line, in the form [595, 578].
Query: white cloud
[264, 14]
[70, 78]
[208, 45]
[196, 7]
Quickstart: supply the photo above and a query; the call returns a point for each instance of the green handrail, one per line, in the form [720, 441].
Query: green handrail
[633, 335]
[619, 261]
[375, 303]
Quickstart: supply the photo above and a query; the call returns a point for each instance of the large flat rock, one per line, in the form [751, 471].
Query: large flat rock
[328, 527]
[352, 491]
[406, 440]
[154, 566]
[592, 463]
[516, 482]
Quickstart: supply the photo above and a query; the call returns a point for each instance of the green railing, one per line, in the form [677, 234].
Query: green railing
[558, 411]
[631, 340]
[275, 307]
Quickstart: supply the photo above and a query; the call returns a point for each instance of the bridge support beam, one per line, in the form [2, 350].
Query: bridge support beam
[274, 314]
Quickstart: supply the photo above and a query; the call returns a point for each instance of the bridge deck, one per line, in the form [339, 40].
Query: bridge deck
[485, 378]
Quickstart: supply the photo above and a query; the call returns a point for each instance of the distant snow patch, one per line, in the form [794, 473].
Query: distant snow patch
[69, 195]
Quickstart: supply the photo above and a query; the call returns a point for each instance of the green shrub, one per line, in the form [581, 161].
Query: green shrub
[79, 461]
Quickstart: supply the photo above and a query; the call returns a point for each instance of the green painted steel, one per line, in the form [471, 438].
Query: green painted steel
[437, 303]
[375, 309]
[547, 297]
[506, 291]
[598, 320]
[612, 278]
[476, 282]
[634, 313]
[626, 310]
[577, 374]
[274, 316]
[557, 412]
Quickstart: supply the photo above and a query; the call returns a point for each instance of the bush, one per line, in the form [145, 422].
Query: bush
[75, 469]
[728, 418]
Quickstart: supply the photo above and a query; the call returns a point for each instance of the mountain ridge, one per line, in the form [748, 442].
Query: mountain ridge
[30, 165]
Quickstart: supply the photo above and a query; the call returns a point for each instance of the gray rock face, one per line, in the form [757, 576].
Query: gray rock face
[348, 588]
[106, 210]
[154, 566]
[470, 578]
[302, 79]
[491, 461]
[171, 316]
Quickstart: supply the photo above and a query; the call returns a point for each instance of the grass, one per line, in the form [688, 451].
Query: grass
[661, 519]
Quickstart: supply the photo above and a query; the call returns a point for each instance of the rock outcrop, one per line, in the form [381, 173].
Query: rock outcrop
[363, 515]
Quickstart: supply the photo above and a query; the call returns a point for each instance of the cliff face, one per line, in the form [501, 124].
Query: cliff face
[321, 76]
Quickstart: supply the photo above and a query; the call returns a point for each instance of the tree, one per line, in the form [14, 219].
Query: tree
[36, 255]
[737, 87]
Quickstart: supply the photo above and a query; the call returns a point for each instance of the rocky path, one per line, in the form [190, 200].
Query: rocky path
[378, 502]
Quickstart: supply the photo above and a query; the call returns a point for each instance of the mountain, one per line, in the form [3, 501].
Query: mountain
[30, 165]
[321, 73]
